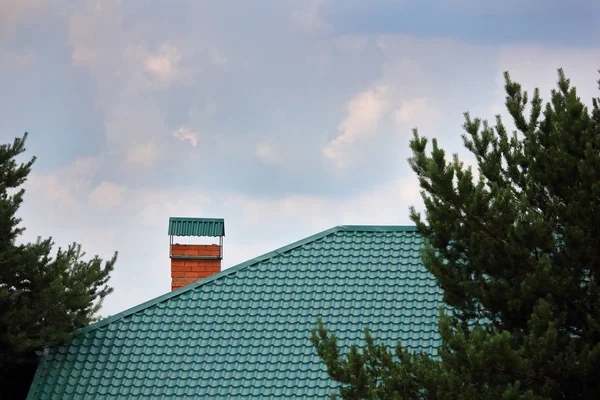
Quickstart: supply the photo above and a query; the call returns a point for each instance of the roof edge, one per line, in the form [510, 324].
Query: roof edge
[205, 281]
[36, 378]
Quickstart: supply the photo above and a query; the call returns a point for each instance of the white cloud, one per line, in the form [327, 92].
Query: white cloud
[381, 43]
[308, 17]
[384, 204]
[128, 79]
[95, 35]
[81, 172]
[54, 190]
[107, 195]
[269, 153]
[16, 9]
[164, 64]
[154, 206]
[66, 186]
[218, 58]
[186, 134]
[129, 124]
[12, 13]
[143, 155]
[297, 209]
[83, 55]
[14, 61]
[200, 113]
[364, 113]
[413, 110]
[352, 44]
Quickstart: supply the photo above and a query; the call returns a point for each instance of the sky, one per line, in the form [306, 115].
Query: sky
[284, 117]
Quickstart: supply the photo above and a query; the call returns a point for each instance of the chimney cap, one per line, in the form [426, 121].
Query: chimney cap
[185, 226]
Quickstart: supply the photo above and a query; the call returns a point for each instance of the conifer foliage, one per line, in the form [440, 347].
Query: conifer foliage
[45, 295]
[517, 254]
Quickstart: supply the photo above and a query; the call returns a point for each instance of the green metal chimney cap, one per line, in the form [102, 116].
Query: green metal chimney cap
[182, 226]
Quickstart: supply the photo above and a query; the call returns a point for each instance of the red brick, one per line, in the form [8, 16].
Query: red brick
[208, 253]
[182, 278]
[207, 247]
[177, 263]
[192, 263]
[183, 281]
[178, 274]
[213, 269]
[181, 269]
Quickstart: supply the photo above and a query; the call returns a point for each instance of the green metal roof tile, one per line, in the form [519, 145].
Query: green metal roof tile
[181, 226]
[244, 332]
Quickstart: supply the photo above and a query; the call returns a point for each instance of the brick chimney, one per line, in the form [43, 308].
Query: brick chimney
[192, 262]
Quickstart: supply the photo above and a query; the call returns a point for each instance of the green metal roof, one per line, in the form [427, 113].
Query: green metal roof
[244, 333]
[180, 226]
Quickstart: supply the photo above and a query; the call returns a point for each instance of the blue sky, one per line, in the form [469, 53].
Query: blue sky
[283, 117]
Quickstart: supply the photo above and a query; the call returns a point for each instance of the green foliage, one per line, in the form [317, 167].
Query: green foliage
[43, 299]
[374, 373]
[517, 253]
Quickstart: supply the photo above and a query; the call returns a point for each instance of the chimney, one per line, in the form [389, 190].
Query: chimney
[192, 262]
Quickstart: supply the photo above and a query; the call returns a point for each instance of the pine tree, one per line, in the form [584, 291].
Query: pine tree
[517, 254]
[44, 297]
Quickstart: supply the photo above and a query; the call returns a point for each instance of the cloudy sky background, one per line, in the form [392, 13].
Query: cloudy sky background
[284, 117]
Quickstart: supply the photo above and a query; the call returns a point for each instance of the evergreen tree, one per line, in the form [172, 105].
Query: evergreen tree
[43, 298]
[517, 254]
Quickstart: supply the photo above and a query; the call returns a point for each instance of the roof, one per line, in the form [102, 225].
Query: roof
[182, 226]
[244, 333]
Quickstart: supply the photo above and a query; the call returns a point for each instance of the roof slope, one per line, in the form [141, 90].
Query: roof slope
[244, 333]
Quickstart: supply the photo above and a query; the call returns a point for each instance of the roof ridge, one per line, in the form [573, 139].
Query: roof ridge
[381, 228]
[191, 286]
